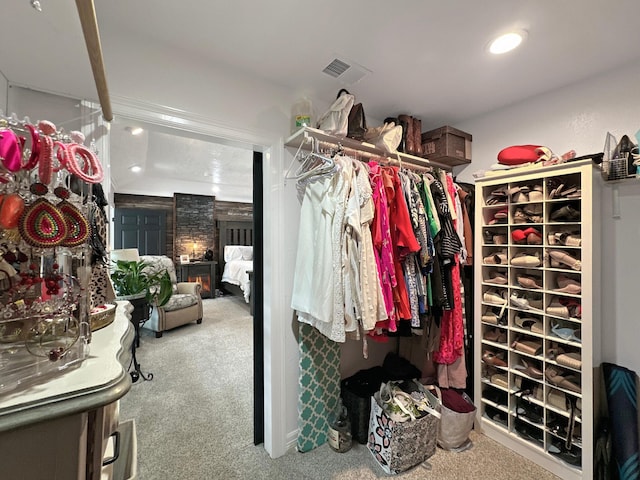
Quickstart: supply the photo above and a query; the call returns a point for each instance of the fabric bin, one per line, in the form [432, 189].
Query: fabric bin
[397, 447]
[447, 145]
[356, 392]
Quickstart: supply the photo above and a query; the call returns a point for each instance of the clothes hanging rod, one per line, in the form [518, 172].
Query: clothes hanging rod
[89, 22]
[388, 158]
[300, 139]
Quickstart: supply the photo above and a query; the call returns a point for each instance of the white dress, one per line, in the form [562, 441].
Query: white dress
[318, 291]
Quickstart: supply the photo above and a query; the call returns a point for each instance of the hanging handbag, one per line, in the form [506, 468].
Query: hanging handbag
[335, 121]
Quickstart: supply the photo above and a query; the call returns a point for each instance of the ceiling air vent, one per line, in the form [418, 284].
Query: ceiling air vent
[346, 72]
[336, 68]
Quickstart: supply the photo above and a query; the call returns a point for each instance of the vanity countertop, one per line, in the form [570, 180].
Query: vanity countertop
[98, 380]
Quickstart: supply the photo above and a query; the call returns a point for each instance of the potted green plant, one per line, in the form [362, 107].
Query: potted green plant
[134, 279]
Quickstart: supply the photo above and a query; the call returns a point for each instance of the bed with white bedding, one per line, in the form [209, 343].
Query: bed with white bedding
[238, 261]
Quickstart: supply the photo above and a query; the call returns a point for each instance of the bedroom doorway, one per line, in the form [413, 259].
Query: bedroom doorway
[208, 160]
[258, 301]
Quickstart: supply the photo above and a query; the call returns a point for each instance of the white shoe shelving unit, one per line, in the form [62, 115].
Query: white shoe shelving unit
[536, 425]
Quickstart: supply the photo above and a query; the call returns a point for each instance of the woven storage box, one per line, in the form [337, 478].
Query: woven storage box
[447, 145]
[356, 392]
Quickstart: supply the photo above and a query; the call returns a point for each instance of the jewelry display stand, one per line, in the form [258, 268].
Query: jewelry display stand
[44, 251]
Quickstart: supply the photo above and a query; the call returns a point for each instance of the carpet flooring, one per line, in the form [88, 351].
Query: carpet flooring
[195, 418]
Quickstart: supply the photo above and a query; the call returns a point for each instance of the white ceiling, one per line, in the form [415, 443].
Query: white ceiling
[425, 58]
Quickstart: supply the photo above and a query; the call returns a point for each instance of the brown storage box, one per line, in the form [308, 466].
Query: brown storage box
[447, 145]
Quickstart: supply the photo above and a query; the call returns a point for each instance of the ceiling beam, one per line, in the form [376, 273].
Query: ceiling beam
[89, 22]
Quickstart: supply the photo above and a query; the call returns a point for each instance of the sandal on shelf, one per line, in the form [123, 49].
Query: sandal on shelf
[495, 335]
[568, 285]
[495, 298]
[530, 347]
[519, 216]
[557, 309]
[565, 214]
[487, 237]
[499, 278]
[566, 333]
[495, 316]
[554, 351]
[571, 360]
[524, 259]
[528, 323]
[499, 217]
[500, 379]
[560, 257]
[535, 195]
[570, 239]
[496, 258]
[528, 369]
[533, 209]
[529, 281]
[527, 301]
[568, 191]
[500, 239]
[568, 382]
[491, 358]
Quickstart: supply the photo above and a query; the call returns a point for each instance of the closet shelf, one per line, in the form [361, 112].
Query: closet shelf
[299, 140]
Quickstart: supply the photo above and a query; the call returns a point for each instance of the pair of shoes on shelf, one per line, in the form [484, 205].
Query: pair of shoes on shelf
[528, 301]
[526, 259]
[529, 281]
[491, 237]
[529, 323]
[569, 239]
[568, 381]
[497, 335]
[491, 358]
[495, 297]
[528, 369]
[568, 285]
[564, 307]
[570, 359]
[566, 333]
[532, 214]
[529, 432]
[494, 276]
[557, 258]
[528, 346]
[495, 316]
[500, 216]
[496, 258]
[529, 236]
[567, 213]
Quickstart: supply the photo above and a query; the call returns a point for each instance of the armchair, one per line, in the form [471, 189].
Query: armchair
[184, 306]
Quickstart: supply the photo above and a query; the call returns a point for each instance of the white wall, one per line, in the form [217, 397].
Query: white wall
[578, 117]
[4, 86]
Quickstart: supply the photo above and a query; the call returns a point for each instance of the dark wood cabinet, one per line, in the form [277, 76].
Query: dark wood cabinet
[202, 272]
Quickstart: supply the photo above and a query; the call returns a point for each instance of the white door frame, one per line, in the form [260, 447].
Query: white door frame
[275, 310]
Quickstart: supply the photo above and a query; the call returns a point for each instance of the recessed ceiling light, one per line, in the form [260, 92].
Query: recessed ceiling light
[134, 130]
[135, 168]
[507, 42]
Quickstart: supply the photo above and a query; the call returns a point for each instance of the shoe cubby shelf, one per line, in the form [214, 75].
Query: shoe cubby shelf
[537, 308]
